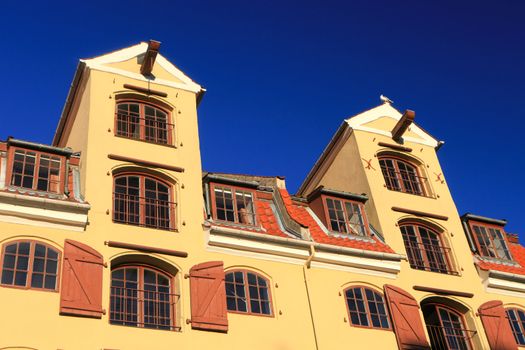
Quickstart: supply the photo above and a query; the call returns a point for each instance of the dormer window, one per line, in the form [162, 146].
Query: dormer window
[343, 213]
[345, 216]
[233, 205]
[36, 170]
[490, 240]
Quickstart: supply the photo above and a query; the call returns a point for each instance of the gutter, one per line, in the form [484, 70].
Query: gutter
[507, 276]
[308, 244]
[40, 200]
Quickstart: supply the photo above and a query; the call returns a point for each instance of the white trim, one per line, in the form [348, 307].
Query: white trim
[358, 121]
[284, 251]
[503, 283]
[100, 62]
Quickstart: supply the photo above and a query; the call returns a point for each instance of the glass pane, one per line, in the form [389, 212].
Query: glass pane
[50, 282]
[38, 265]
[37, 280]
[20, 278]
[7, 277]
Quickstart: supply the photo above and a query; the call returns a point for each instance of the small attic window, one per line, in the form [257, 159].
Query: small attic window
[490, 240]
[233, 204]
[345, 216]
[36, 170]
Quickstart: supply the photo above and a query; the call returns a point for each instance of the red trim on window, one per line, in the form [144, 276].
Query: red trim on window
[234, 190]
[30, 265]
[492, 246]
[135, 207]
[246, 285]
[400, 180]
[146, 126]
[144, 297]
[363, 289]
[350, 230]
[36, 169]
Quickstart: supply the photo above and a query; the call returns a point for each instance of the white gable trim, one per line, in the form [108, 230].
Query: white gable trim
[100, 64]
[386, 110]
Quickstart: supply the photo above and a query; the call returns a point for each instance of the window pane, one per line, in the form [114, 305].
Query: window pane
[37, 280]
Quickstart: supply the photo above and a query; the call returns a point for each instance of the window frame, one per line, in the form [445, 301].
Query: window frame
[422, 180]
[488, 226]
[170, 123]
[437, 307]
[367, 308]
[38, 154]
[172, 204]
[174, 293]
[30, 267]
[447, 251]
[247, 293]
[233, 189]
[521, 323]
[350, 231]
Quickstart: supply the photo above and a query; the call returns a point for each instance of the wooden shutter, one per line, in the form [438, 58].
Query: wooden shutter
[208, 297]
[497, 326]
[406, 319]
[81, 293]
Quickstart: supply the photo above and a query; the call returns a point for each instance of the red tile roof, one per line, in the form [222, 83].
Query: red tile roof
[518, 253]
[303, 217]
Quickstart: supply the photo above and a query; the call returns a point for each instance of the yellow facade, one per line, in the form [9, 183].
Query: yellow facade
[307, 280]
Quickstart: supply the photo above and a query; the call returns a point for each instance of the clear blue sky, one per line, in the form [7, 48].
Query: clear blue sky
[281, 76]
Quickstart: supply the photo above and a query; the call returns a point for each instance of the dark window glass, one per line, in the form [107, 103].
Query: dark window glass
[30, 264]
[234, 205]
[36, 171]
[143, 122]
[247, 292]
[346, 217]
[141, 297]
[401, 176]
[425, 250]
[366, 308]
[144, 201]
[446, 328]
[517, 322]
[491, 242]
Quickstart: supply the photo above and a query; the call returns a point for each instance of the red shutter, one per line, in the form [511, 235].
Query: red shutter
[81, 293]
[406, 319]
[208, 297]
[497, 326]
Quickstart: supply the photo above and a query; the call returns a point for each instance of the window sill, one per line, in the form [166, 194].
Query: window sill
[145, 226]
[351, 236]
[250, 314]
[237, 225]
[148, 142]
[498, 261]
[28, 288]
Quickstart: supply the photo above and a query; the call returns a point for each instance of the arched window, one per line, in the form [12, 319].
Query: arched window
[248, 292]
[366, 308]
[425, 249]
[137, 120]
[517, 323]
[446, 328]
[142, 297]
[30, 264]
[144, 201]
[402, 176]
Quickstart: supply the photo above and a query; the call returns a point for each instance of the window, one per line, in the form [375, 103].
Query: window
[36, 171]
[402, 176]
[144, 201]
[30, 264]
[233, 204]
[346, 216]
[248, 292]
[425, 249]
[366, 308]
[517, 323]
[446, 328]
[141, 297]
[142, 121]
[490, 240]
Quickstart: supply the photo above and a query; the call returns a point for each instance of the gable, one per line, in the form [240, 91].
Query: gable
[382, 119]
[127, 62]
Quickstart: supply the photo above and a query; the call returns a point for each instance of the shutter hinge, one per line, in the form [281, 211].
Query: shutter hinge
[188, 321]
[186, 276]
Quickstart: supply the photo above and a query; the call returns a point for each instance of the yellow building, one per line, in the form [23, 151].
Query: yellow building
[114, 238]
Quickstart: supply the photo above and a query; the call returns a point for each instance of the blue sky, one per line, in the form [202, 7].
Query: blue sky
[281, 76]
